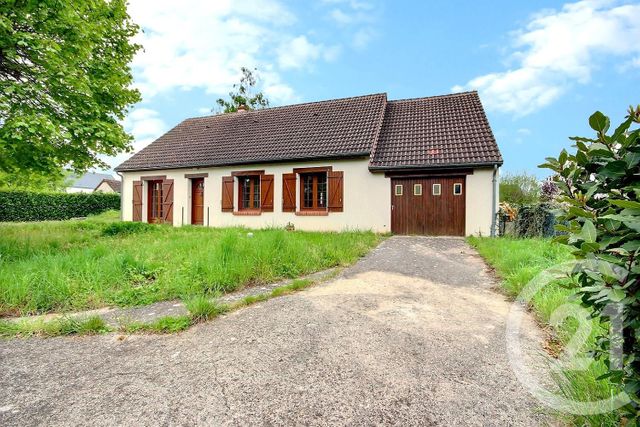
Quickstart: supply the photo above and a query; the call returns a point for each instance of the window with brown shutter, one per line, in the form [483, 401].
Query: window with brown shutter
[288, 192]
[137, 200]
[336, 190]
[266, 190]
[227, 194]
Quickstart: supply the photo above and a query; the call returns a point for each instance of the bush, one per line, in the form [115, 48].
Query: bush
[126, 228]
[601, 187]
[535, 221]
[34, 206]
[519, 189]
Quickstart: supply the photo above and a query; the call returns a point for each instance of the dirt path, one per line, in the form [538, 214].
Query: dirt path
[411, 335]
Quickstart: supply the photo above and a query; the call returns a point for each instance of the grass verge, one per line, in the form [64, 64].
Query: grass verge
[517, 261]
[53, 328]
[63, 266]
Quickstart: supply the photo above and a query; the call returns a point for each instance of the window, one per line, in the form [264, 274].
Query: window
[155, 201]
[417, 189]
[457, 189]
[437, 189]
[314, 190]
[249, 193]
[398, 190]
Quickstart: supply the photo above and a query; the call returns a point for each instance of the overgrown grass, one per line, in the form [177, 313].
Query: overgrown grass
[163, 325]
[53, 328]
[517, 261]
[202, 308]
[61, 266]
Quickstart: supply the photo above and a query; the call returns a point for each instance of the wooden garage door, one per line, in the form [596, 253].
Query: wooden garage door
[417, 208]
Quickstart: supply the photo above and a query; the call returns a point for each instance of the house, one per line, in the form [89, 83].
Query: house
[414, 166]
[108, 186]
[86, 183]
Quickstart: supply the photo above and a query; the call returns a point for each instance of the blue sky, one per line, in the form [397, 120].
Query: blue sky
[541, 68]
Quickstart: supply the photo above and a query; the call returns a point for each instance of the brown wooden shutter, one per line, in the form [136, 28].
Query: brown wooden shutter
[335, 191]
[167, 201]
[137, 200]
[227, 194]
[266, 193]
[288, 192]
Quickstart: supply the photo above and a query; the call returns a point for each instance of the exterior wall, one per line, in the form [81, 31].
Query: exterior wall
[104, 188]
[366, 200]
[478, 215]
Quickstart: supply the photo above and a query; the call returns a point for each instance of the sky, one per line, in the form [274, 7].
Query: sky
[541, 68]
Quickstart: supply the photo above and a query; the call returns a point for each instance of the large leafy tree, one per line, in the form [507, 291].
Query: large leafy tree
[600, 185]
[65, 82]
[244, 93]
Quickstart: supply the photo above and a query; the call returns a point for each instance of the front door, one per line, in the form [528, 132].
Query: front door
[197, 201]
[433, 206]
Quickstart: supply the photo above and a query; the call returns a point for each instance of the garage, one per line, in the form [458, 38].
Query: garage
[432, 206]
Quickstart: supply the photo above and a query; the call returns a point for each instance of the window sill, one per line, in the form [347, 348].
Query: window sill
[313, 213]
[248, 213]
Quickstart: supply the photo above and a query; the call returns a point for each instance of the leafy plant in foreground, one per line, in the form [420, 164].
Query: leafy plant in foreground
[600, 185]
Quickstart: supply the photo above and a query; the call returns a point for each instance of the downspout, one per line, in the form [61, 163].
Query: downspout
[494, 182]
[121, 195]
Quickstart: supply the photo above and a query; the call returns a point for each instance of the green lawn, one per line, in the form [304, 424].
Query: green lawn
[62, 266]
[517, 261]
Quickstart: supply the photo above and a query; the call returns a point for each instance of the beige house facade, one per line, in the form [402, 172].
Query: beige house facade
[386, 181]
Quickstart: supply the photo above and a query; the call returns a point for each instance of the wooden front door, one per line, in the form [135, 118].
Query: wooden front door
[432, 206]
[197, 201]
[154, 202]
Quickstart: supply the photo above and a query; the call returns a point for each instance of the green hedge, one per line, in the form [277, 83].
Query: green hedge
[34, 206]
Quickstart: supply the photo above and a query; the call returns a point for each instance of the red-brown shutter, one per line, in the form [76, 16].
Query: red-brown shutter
[227, 194]
[167, 201]
[137, 200]
[335, 191]
[288, 192]
[266, 193]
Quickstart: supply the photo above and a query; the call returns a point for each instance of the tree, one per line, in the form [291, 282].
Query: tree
[519, 189]
[34, 181]
[65, 83]
[243, 93]
[600, 185]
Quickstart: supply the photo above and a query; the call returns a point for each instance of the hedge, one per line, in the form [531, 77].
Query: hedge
[35, 206]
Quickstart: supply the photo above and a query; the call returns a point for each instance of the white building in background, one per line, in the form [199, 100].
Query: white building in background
[87, 182]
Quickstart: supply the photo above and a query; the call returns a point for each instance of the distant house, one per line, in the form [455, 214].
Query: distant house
[413, 166]
[108, 186]
[86, 183]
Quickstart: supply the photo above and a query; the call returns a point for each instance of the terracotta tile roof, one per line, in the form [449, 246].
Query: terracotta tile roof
[326, 129]
[439, 131]
[113, 183]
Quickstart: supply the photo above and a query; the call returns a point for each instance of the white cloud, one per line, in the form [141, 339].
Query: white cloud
[299, 52]
[144, 123]
[557, 49]
[202, 44]
[363, 37]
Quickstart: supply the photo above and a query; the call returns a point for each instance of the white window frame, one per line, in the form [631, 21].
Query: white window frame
[433, 189]
[400, 187]
[457, 184]
[417, 186]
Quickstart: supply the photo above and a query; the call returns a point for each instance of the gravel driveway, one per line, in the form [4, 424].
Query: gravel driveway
[413, 334]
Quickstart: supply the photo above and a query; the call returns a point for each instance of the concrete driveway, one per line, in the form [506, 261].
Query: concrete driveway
[411, 335]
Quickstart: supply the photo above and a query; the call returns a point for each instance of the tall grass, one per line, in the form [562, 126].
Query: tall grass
[74, 265]
[517, 261]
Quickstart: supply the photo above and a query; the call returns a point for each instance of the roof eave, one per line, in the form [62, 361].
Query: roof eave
[439, 166]
[341, 156]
